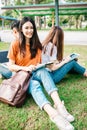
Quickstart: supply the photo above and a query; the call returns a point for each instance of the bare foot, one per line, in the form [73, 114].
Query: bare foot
[85, 73]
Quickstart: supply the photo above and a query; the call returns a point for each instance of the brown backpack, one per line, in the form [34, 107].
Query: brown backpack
[13, 91]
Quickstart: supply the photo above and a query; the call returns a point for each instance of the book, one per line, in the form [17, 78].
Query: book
[39, 66]
[5, 65]
[74, 56]
[43, 65]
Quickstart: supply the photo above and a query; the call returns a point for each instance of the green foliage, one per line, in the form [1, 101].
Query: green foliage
[65, 21]
[76, 0]
[69, 21]
[0, 22]
[49, 24]
[19, 2]
[86, 27]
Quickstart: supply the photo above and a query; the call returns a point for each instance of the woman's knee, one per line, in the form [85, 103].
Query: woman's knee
[41, 73]
[43, 70]
[34, 86]
[34, 83]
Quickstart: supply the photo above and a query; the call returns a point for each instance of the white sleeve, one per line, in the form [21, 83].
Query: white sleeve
[46, 57]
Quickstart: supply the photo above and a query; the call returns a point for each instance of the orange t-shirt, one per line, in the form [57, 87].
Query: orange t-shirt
[14, 54]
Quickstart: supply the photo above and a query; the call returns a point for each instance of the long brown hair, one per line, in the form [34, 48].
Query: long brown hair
[35, 43]
[55, 34]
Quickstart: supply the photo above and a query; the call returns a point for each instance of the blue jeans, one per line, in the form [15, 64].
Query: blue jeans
[59, 74]
[5, 72]
[41, 78]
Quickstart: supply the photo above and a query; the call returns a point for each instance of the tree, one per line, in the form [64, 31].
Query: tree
[17, 14]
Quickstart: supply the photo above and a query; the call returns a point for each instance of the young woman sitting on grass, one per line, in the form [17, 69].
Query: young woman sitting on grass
[25, 54]
[53, 51]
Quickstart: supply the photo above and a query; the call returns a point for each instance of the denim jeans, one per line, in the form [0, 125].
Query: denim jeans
[41, 78]
[59, 74]
[5, 72]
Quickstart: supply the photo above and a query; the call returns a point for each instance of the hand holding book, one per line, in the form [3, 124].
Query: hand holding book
[57, 64]
[53, 65]
[39, 66]
[74, 56]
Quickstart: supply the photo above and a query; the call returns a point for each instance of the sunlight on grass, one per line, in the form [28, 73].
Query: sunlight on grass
[4, 46]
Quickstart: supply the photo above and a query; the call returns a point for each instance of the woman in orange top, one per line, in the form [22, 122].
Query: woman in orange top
[25, 54]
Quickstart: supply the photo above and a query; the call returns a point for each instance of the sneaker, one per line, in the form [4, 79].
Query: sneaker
[64, 113]
[61, 123]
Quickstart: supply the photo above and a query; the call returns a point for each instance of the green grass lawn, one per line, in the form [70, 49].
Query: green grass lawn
[4, 46]
[72, 89]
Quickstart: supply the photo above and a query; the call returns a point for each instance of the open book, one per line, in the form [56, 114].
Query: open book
[39, 66]
[5, 65]
[74, 56]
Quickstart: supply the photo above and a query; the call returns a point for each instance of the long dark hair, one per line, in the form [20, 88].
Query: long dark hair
[15, 24]
[35, 43]
[56, 33]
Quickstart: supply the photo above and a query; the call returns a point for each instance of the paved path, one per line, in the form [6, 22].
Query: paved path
[79, 38]
[70, 37]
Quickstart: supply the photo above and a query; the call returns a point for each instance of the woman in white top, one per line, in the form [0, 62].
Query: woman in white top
[53, 51]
